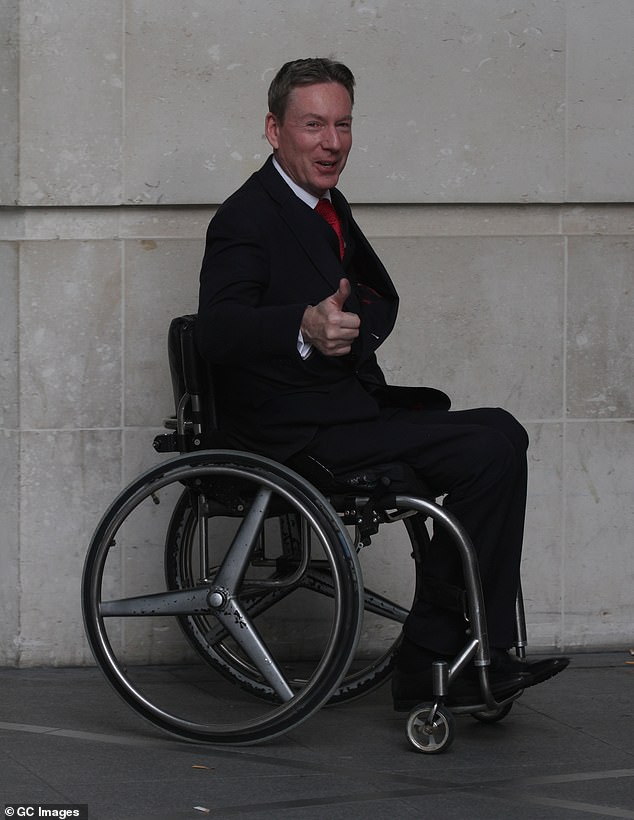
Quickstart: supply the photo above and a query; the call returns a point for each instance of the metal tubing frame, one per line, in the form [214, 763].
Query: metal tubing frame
[478, 648]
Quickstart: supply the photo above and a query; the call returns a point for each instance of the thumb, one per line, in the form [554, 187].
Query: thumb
[339, 298]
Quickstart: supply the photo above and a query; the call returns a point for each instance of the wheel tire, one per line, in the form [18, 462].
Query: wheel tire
[430, 738]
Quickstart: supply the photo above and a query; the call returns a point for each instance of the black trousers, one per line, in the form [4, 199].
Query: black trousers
[477, 459]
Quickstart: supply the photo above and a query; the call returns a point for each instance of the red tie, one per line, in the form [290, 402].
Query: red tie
[325, 208]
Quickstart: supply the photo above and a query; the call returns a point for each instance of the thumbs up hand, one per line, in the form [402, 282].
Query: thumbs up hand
[328, 327]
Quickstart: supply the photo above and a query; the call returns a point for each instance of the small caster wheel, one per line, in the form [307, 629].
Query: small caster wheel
[430, 730]
[493, 715]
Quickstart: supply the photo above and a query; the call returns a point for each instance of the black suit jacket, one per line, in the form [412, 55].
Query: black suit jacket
[268, 256]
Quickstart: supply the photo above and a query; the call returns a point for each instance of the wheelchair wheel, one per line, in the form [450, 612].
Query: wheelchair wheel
[431, 729]
[132, 617]
[382, 616]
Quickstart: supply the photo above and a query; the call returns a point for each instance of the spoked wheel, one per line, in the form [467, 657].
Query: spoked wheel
[270, 607]
[431, 729]
[132, 617]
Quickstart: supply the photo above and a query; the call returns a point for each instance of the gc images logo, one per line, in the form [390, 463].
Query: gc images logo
[60, 812]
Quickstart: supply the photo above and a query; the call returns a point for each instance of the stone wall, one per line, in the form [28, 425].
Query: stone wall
[492, 169]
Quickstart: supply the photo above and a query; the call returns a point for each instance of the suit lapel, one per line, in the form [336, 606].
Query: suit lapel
[310, 230]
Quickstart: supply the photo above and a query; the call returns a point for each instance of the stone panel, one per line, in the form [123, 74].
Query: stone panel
[161, 283]
[199, 71]
[478, 115]
[480, 317]
[600, 79]
[9, 84]
[71, 94]
[600, 366]
[11, 224]
[599, 568]
[70, 334]
[67, 478]
[460, 102]
[8, 335]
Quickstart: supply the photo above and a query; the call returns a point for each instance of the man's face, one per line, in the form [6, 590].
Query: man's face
[313, 141]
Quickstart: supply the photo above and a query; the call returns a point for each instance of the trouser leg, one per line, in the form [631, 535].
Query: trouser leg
[478, 459]
[489, 500]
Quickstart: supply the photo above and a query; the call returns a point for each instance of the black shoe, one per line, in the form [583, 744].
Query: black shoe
[532, 672]
[409, 688]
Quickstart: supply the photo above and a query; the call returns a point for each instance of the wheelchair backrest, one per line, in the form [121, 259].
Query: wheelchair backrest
[192, 385]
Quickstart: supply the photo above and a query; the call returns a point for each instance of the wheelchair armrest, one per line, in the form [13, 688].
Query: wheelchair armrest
[174, 443]
[166, 443]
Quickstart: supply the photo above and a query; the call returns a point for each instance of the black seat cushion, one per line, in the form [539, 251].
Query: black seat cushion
[393, 478]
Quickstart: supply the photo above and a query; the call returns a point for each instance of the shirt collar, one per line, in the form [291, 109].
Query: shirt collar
[309, 199]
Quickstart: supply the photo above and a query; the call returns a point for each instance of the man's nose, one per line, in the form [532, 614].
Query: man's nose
[331, 138]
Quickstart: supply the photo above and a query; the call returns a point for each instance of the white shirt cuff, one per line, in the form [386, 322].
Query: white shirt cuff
[303, 347]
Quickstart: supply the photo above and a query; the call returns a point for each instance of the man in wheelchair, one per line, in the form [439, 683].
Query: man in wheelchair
[293, 305]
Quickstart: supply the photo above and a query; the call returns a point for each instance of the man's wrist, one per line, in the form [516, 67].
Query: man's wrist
[304, 345]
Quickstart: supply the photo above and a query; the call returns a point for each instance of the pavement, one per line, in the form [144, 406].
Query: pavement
[565, 752]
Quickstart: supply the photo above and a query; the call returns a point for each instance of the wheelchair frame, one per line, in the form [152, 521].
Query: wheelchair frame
[218, 606]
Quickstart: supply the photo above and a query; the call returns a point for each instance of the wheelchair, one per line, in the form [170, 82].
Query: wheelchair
[254, 613]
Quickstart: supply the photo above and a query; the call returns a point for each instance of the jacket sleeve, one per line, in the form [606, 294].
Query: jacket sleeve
[235, 322]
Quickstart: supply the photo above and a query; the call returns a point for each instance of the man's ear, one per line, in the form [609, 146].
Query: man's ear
[271, 130]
